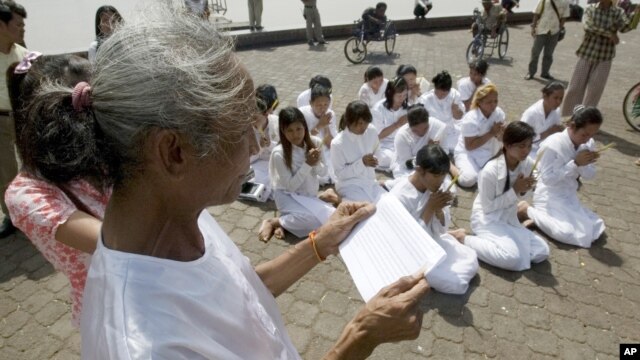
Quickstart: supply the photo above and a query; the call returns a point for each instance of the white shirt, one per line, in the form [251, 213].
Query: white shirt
[441, 110]
[407, 143]
[474, 123]
[415, 201]
[304, 99]
[536, 117]
[91, 53]
[312, 121]
[302, 178]
[271, 132]
[347, 150]
[548, 22]
[370, 97]
[383, 118]
[215, 307]
[467, 88]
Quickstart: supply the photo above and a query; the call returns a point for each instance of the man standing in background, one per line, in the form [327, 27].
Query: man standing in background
[255, 15]
[548, 21]
[12, 17]
[314, 27]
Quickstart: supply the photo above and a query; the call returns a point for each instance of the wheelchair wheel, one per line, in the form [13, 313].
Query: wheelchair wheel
[631, 107]
[355, 50]
[475, 51]
[389, 38]
[503, 43]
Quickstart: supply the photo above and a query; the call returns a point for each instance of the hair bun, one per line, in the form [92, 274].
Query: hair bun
[578, 108]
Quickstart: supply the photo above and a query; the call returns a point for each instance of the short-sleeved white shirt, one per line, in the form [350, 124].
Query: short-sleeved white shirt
[474, 123]
[467, 88]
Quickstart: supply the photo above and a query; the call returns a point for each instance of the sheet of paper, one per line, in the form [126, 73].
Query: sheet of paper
[388, 245]
[320, 210]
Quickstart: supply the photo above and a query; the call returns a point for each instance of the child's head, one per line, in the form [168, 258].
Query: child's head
[320, 100]
[266, 99]
[409, 73]
[477, 71]
[517, 140]
[442, 84]
[432, 166]
[356, 117]
[552, 94]
[293, 131]
[584, 124]
[396, 93]
[107, 17]
[418, 119]
[54, 141]
[374, 77]
[485, 99]
[320, 80]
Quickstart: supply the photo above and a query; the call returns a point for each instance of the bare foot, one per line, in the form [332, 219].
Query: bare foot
[522, 211]
[459, 234]
[529, 224]
[268, 228]
[279, 233]
[330, 196]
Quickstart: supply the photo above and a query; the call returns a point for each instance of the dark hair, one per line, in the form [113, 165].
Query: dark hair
[417, 115]
[356, 110]
[431, 158]
[398, 84]
[8, 7]
[406, 69]
[266, 98]
[288, 116]
[516, 132]
[480, 66]
[583, 116]
[372, 73]
[320, 80]
[55, 143]
[442, 81]
[381, 5]
[318, 91]
[552, 87]
[106, 9]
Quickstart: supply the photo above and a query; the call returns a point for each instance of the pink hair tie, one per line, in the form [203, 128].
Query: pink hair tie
[25, 63]
[81, 97]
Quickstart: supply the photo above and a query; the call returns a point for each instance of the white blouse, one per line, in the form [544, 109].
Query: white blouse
[407, 143]
[383, 118]
[347, 150]
[474, 123]
[304, 99]
[302, 178]
[467, 88]
[271, 132]
[370, 97]
[312, 121]
[535, 116]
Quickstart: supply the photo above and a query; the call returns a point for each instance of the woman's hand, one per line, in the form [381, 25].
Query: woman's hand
[523, 184]
[586, 157]
[325, 120]
[369, 160]
[339, 225]
[401, 121]
[438, 200]
[313, 156]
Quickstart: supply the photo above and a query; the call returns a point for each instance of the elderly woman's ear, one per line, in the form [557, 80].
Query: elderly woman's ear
[169, 153]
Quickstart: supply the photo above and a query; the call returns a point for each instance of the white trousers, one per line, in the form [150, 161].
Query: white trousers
[468, 169]
[453, 275]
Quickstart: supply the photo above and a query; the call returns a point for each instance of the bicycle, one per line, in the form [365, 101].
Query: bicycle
[481, 42]
[631, 107]
[355, 49]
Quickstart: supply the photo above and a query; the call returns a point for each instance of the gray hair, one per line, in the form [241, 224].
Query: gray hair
[170, 70]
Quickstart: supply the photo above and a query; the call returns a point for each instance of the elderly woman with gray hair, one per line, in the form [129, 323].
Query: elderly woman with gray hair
[165, 280]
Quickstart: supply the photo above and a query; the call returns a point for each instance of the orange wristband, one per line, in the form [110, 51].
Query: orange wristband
[312, 237]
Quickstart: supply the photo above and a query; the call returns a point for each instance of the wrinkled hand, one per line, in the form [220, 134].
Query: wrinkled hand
[313, 156]
[339, 225]
[523, 184]
[369, 160]
[586, 157]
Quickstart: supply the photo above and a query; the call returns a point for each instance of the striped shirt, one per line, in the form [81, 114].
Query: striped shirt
[599, 25]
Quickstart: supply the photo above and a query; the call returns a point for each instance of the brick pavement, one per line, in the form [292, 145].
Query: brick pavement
[578, 305]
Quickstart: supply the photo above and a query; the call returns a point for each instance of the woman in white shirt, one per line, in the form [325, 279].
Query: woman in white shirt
[321, 121]
[389, 115]
[568, 156]
[304, 98]
[544, 115]
[374, 86]
[107, 17]
[295, 166]
[501, 240]
[352, 155]
[265, 129]
[477, 77]
[481, 134]
[424, 196]
[444, 103]
[416, 86]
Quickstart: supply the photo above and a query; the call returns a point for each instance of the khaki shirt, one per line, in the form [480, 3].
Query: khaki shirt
[548, 22]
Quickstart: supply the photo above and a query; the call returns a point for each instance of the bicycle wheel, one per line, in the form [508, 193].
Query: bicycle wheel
[389, 38]
[503, 43]
[355, 50]
[631, 107]
[475, 51]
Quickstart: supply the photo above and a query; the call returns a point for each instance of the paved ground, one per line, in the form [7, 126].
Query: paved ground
[578, 305]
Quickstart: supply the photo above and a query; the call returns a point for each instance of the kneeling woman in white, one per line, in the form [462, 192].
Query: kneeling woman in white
[422, 196]
[374, 86]
[352, 155]
[294, 167]
[500, 238]
[421, 130]
[482, 129]
[444, 104]
[265, 129]
[544, 115]
[388, 116]
[568, 156]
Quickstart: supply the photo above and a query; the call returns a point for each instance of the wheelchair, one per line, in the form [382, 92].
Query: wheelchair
[482, 43]
[355, 49]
